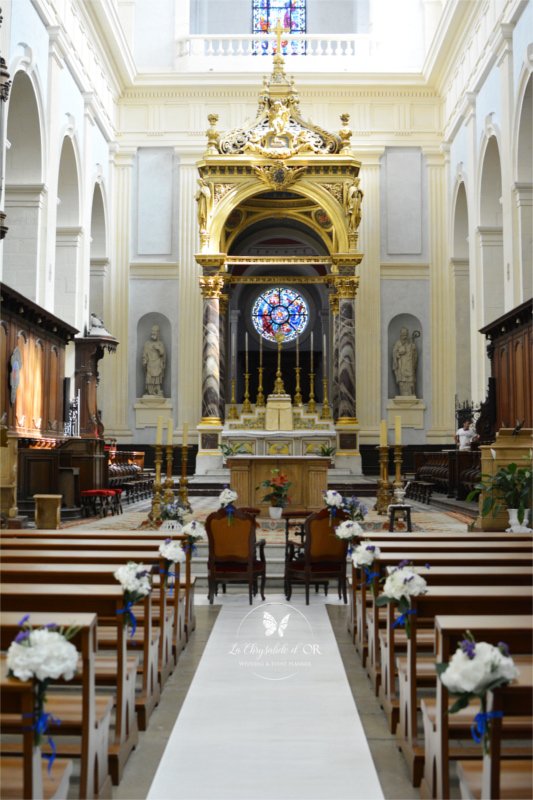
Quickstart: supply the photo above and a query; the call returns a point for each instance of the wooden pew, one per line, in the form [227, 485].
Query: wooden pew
[517, 632]
[494, 777]
[82, 713]
[28, 776]
[444, 600]
[106, 602]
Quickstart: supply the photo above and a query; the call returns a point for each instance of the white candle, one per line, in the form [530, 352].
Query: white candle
[383, 433]
[324, 353]
[159, 431]
[260, 351]
[185, 435]
[398, 430]
[170, 431]
[297, 352]
[246, 352]
[311, 352]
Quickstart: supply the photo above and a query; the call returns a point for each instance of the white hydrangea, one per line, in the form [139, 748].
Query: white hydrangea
[489, 664]
[227, 497]
[333, 498]
[172, 551]
[365, 553]
[195, 530]
[348, 530]
[134, 578]
[43, 654]
[403, 582]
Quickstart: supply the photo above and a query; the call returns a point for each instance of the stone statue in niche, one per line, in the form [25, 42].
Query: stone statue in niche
[405, 362]
[154, 362]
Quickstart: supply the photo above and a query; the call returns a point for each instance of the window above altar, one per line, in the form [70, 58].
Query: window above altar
[280, 310]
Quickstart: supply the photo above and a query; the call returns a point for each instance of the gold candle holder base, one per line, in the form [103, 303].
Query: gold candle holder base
[260, 399]
[233, 413]
[246, 406]
[298, 393]
[384, 495]
[168, 496]
[326, 410]
[155, 514]
[184, 486]
[311, 405]
[398, 483]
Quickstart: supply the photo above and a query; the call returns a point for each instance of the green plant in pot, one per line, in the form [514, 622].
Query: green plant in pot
[508, 488]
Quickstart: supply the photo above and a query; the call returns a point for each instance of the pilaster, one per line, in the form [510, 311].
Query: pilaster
[511, 261]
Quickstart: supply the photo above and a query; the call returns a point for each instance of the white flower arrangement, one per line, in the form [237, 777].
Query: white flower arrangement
[194, 530]
[365, 554]
[401, 584]
[44, 654]
[134, 579]
[348, 530]
[227, 497]
[172, 551]
[474, 668]
[333, 499]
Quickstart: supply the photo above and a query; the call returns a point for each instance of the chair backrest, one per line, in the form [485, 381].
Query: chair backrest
[321, 544]
[231, 536]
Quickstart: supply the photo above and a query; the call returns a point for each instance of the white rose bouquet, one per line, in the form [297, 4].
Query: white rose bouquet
[354, 509]
[195, 532]
[44, 654]
[136, 583]
[365, 554]
[401, 584]
[227, 499]
[175, 512]
[348, 530]
[173, 553]
[334, 502]
[474, 668]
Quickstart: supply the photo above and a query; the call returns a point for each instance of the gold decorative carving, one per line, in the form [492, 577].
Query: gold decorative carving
[204, 198]
[213, 135]
[278, 176]
[345, 134]
[334, 189]
[220, 190]
[352, 197]
[334, 304]
[211, 286]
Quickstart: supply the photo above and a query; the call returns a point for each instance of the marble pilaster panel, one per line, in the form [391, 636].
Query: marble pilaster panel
[346, 359]
[211, 359]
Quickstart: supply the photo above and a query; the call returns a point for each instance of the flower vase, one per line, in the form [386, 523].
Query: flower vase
[275, 512]
[514, 524]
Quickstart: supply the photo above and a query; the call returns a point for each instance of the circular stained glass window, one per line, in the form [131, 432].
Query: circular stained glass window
[280, 310]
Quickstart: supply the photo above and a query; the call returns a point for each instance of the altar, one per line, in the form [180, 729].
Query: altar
[308, 475]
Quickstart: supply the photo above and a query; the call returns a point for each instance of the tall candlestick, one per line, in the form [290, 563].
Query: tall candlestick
[324, 353]
[297, 352]
[185, 434]
[170, 431]
[383, 433]
[246, 351]
[311, 352]
[397, 430]
[260, 351]
[159, 431]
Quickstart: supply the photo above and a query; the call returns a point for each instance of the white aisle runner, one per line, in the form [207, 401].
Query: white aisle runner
[269, 714]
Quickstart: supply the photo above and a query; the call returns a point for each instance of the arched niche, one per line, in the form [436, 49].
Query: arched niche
[524, 190]
[98, 254]
[68, 235]
[413, 325]
[144, 329]
[491, 233]
[24, 189]
[461, 282]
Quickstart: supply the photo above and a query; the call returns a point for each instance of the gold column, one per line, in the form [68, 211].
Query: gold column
[384, 496]
[168, 496]
[156, 498]
[279, 387]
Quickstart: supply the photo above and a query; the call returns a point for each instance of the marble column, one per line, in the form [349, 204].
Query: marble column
[223, 308]
[334, 312]
[211, 287]
[346, 411]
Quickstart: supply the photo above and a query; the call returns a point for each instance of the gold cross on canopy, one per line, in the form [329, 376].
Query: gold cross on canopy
[279, 30]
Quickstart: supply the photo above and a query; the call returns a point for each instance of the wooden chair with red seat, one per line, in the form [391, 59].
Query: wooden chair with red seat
[232, 552]
[324, 555]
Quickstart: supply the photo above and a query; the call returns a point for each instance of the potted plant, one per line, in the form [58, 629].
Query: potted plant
[510, 488]
[278, 492]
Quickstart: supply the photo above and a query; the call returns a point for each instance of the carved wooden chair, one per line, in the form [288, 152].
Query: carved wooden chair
[234, 554]
[323, 557]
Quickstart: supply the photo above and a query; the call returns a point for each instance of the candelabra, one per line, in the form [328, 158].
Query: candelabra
[246, 406]
[398, 484]
[233, 413]
[184, 487]
[155, 515]
[311, 405]
[297, 393]
[279, 387]
[384, 496]
[260, 399]
[326, 410]
[168, 496]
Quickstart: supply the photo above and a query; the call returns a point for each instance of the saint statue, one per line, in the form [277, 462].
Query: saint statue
[204, 199]
[154, 363]
[405, 362]
[352, 197]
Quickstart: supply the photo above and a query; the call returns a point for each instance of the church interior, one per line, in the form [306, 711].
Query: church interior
[266, 304]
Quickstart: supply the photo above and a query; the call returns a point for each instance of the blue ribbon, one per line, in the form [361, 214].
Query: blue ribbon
[402, 619]
[132, 618]
[370, 576]
[168, 573]
[480, 725]
[40, 726]
[230, 511]
[191, 545]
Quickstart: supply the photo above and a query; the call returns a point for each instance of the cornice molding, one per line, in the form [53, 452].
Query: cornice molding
[399, 271]
[154, 270]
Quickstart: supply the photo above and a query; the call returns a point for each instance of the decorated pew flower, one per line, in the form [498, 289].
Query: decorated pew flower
[365, 554]
[195, 532]
[174, 513]
[227, 499]
[173, 553]
[45, 655]
[333, 501]
[401, 584]
[354, 509]
[474, 668]
[136, 583]
[348, 530]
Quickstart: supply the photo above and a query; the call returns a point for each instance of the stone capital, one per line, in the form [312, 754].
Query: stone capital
[211, 286]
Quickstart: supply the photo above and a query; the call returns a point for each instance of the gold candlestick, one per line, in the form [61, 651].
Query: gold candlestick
[297, 393]
[246, 406]
[326, 411]
[168, 496]
[233, 413]
[279, 388]
[384, 496]
[183, 491]
[311, 405]
[398, 483]
[260, 399]
[156, 499]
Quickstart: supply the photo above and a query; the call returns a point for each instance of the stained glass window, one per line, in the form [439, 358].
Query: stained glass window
[280, 310]
[291, 14]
